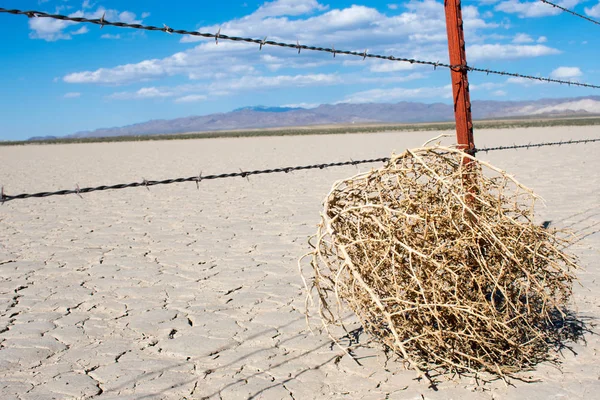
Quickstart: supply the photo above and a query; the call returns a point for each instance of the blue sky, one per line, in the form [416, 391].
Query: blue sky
[59, 78]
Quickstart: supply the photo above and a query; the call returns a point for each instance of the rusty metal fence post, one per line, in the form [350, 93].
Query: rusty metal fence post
[458, 72]
[462, 100]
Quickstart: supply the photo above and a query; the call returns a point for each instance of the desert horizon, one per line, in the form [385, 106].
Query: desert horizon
[329, 129]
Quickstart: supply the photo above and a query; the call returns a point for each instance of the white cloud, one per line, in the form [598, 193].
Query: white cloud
[593, 11]
[264, 82]
[383, 79]
[533, 9]
[274, 63]
[390, 66]
[424, 37]
[202, 62]
[152, 92]
[524, 81]
[542, 39]
[191, 98]
[279, 8]
[392, 6]
[84, 29]
[48, 29]
[398, 94]
[522, 38]
[566, 73]
[110, 36]
[499, 93]
[121, 74]
[338, 25]
[507, 51]
[485, 86]
[72, 95]
[128, 17]
[143, 93]
[145, 15]
[228, 86]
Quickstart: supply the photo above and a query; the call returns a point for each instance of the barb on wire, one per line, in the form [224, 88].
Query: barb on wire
[197, 179]
[570, 12]
[534, 145]
[264, 42]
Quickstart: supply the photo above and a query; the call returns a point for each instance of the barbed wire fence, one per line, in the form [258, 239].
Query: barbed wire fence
[245, 174]
[299, 47]
[264, 42]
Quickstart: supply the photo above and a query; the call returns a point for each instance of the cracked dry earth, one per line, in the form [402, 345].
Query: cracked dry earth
[180, 293]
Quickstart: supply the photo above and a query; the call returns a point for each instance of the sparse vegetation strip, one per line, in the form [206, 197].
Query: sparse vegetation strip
[442, 126]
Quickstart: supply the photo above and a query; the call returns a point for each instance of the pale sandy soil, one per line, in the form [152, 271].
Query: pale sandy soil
[184, 293]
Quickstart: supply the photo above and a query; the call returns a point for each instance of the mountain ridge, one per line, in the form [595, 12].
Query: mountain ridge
[257, 117]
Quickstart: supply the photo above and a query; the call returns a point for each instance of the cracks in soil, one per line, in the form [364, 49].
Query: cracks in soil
[13, 304]
[289, 391]
[118, 357]
[88, 372]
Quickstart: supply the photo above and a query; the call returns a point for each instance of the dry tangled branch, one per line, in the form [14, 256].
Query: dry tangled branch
[443, 264]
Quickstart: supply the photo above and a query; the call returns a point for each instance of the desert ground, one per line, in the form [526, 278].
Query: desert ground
[177, 292]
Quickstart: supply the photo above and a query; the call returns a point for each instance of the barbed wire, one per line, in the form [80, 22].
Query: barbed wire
[534, 145]
[536, 78]
[571, 12]
[199, 178]
[264, 42]
[219, 36]
[245, 174]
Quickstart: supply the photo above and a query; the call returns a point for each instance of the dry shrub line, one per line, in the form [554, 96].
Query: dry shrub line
[451, 278]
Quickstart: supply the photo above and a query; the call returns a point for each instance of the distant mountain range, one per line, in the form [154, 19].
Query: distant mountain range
[268, 109]
[326, 114]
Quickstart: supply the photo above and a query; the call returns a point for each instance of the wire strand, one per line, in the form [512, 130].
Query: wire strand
[264, 42]
[534, 145]
[197, 179]
[571, 12]
[245, 174]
